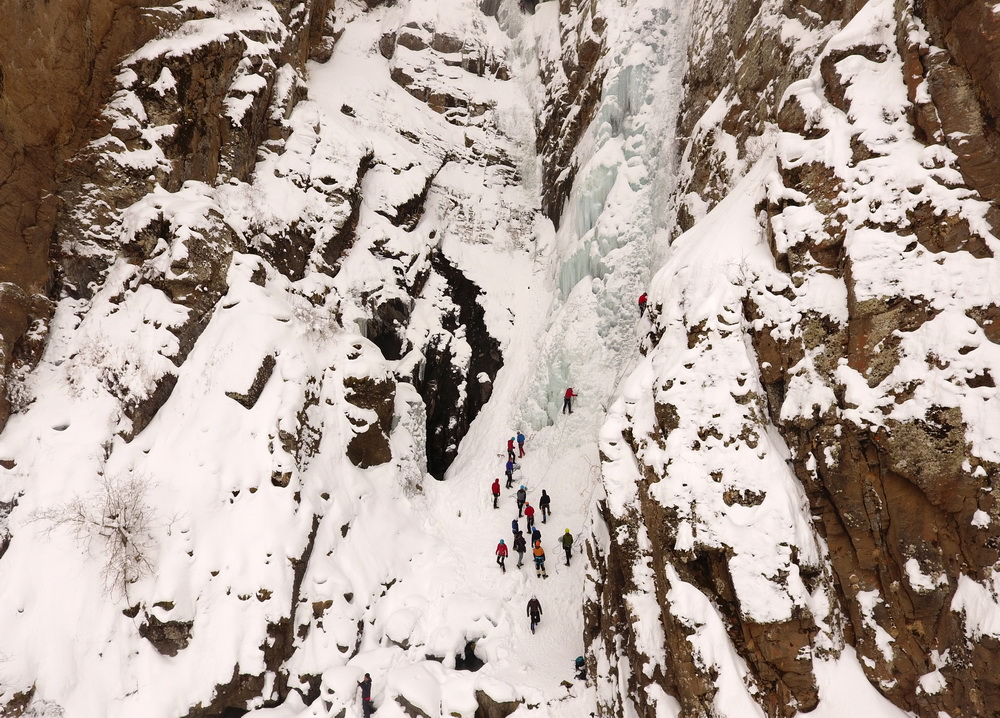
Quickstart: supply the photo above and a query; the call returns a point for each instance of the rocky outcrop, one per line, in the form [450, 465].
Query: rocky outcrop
[573, 82]
[737, 60]
[56, 65]
[168, 637]
[962, 84]
[220, 242]
[877, 404]
[903, 502]
[370, 445]
[462, 361]
[488, 707]
[419, 53]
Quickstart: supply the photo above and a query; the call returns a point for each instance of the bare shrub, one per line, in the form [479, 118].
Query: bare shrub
[114, 523]
[44, 709]
[122, 369]
[318, 322]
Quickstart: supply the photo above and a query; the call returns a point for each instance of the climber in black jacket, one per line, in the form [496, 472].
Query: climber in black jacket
[534, 612]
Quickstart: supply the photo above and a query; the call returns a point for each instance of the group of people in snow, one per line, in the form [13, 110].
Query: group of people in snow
[526, 511]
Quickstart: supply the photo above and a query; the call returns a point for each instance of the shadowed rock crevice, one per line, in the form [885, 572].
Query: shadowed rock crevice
[488, 707]
[455, 393]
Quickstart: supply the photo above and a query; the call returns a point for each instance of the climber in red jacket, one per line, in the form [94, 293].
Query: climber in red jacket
[496, 492]
[502, 555]
[568, 401]
[529, 513]
[642, 303]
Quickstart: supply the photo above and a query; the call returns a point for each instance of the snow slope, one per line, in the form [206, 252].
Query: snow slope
[381, 570]
[272, 569]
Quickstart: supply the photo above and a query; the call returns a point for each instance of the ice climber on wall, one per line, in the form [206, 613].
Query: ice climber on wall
[568, 400]
[642, 304]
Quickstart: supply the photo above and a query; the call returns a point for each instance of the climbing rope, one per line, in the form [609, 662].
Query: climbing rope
[622, 373]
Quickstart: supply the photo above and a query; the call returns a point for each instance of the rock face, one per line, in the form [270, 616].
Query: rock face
[804, 463]
[230, 253]
[56, 62]
[573, 81]
[885, 172]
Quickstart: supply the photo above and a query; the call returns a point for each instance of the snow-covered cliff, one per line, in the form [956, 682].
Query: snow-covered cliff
[314, 263]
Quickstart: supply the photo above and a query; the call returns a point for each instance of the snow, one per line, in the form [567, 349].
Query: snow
[920, 581]
[844, 690]
[401, 580]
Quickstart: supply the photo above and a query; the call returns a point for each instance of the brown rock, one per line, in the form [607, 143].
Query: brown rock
[56, 61]
[168, 637]
[370, 445]
[487, 707]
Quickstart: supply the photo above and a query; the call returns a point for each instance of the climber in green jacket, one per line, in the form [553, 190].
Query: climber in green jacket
[567, 542]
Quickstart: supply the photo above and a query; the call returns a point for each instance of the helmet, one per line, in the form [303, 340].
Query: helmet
[522, 486]
[501, 540]
[567, 530]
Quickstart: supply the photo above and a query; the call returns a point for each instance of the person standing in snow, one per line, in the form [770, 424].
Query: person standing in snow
[520, 443]
[642, 304]
[536, 535]
[510, 449]
[539, 553]
[509, 471]
[366, 696]
[514, 528]
[567, 541]
[529, 513]
[496, 493]
[568, 400]
[520, 546]
[543, 504]
[521, 496]
[502, 555]
[581, 668]
[534, 612]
